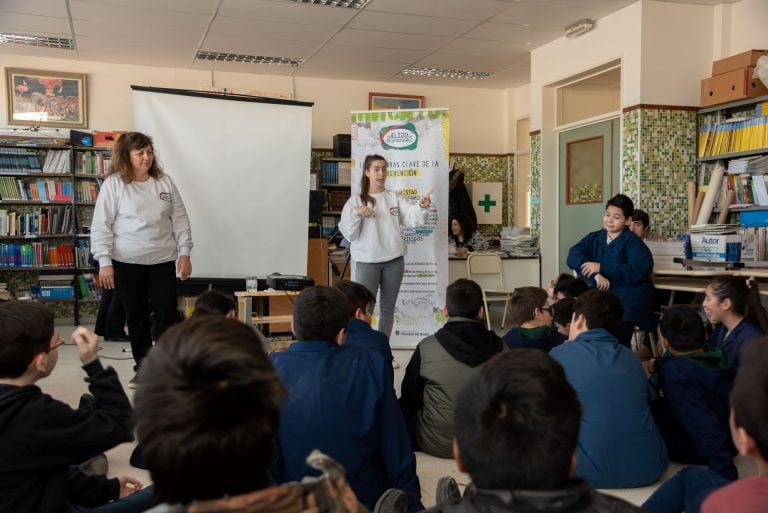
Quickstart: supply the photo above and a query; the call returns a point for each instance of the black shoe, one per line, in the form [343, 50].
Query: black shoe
[447, 491]
[391, 501]
[117, 339]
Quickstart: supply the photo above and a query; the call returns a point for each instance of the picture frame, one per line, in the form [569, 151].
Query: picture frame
[387, 101]
[40, 98]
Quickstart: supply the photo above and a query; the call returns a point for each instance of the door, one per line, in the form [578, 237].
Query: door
[588, 177]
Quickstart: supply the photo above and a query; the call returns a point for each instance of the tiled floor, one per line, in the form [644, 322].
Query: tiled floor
[66, 383]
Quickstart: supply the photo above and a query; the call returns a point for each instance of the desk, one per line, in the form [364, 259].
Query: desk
[259, 315]
[518, 271]
[683, 280]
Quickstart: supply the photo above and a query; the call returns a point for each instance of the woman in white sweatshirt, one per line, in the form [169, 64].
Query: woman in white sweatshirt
[139, 230]
[371, 222]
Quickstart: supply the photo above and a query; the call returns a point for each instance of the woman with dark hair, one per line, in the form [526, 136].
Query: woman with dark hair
[371, 222]
[465, 236]
[140, 235]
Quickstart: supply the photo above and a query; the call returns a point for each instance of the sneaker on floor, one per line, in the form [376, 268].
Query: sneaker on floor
[447, 491]
[134, 382]
[391, 501]
[96, 466]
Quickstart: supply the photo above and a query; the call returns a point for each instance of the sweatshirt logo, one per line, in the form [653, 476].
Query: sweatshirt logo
[394, 211]
[399, 137]
[165, 196]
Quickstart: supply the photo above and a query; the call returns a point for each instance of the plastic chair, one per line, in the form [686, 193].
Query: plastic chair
[484, 268]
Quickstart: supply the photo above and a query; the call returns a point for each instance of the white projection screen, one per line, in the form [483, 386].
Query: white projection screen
[241, 165]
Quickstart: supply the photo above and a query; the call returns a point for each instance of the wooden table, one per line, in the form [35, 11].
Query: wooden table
[696, 281]
[257, 314]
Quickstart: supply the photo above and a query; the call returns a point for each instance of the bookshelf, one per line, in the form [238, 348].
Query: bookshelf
[335, 179]
[47, 192]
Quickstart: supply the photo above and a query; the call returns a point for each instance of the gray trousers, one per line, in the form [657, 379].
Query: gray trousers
[388, 276]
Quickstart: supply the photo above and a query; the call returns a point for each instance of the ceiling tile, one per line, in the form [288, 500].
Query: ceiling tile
[372, 38]
[529, 12]
[513, 33]
[271, 47]
[377, 54]
[55, 8]
[458, 9]
[241, 67]
[289, 31]
[287, 12]
[186, 6]
[411, 24]
[89, 17]
[42, 25]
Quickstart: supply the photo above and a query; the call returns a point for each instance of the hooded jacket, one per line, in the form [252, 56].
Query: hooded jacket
[575, 497]
[541, 337]
[696, 387]
[440, 366]
[41, 437]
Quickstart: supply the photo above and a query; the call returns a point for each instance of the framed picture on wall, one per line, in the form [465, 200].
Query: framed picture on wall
[386, 101]
[46, 98]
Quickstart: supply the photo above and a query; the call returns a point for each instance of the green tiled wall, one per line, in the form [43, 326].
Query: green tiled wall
[536, 185]
[659, 158]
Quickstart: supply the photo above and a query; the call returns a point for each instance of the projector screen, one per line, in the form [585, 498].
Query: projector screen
[241, 165]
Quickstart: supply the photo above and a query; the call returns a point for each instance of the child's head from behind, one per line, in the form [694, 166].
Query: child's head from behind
[207, 410]
[749, 401]
[570, 286]
[562, 313]
[26, 330]
[463, 298]
[320, 313]
[682, 328]
[361, 298]
[600, 309]
[528, 304]
[518, 408]
[213, 302]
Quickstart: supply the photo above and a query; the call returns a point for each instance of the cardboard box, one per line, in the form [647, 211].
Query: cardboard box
[731, 86]
[713, 248]
[738, 61]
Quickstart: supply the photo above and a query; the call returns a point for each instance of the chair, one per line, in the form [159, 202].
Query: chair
[484, 268]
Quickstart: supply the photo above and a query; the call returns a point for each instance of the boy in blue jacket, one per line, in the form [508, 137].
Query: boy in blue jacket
[529, 312]
[616, 259]
[695, 381]
[341, 402]
[619, 445]
[359, 330]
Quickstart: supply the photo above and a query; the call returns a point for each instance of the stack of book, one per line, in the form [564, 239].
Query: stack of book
[517, 241]
[55, 287]
[665, 251]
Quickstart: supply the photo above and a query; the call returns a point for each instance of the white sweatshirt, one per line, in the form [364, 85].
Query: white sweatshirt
[139, 222]
[378, 239]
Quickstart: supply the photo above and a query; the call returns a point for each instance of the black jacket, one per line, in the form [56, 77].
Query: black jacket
[575, 497]
[41, 437]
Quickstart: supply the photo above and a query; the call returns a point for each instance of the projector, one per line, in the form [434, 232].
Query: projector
[279, 281]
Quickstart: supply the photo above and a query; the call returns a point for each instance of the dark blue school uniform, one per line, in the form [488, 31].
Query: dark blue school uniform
[693, 414]
[733, 342]
[627, 263]
[339, 402]
[360, 334]
[543, 337]
[619, 445]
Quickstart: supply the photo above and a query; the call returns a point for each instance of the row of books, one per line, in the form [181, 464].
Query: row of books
[86, 286]
[749, 189]
[82, 252]
[35, 221]
[35, 190]
[336, 173]
[19, 161]
[740, 134]
[87, 190]
[94, 163]
[757, 165]
[57, 161]
[36, 254]
[337, 199]
[329, 225]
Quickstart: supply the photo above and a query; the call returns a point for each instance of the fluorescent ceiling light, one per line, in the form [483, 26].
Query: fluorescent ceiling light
[47, 42]
[248, 59]
[579, 28]
[446, 73]
[352, 4]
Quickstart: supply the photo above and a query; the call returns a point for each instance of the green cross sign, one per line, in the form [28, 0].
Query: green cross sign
[487, 203]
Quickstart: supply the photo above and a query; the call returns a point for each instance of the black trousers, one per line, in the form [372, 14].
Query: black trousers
[110, 320]
[144, 289]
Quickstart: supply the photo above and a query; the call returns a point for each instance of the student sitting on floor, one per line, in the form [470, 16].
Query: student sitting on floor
[686, 490]
[340, 401]
[529, 312]
[692, 413]
[566, 285]
[359, 330]
[213, 302]
[207, 412]
[517, 426]
[619, 445]
[734, 303]
[42, 439]
[562, 313]
[440, 366]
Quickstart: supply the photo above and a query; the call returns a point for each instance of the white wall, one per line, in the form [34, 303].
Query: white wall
[748, 26]
[479, 117]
